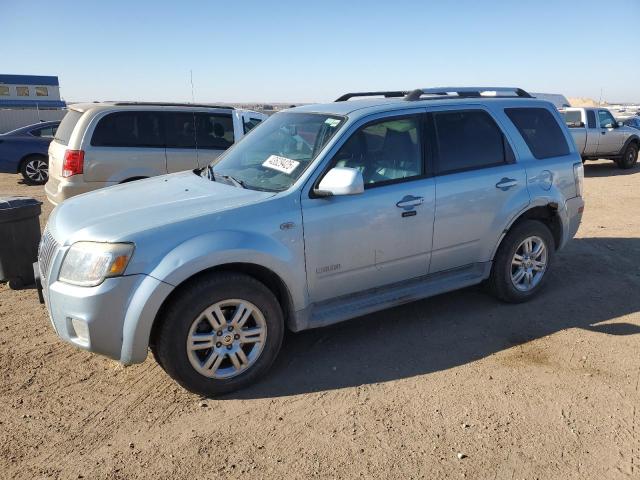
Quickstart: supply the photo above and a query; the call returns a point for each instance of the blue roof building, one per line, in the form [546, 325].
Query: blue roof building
[30, 91]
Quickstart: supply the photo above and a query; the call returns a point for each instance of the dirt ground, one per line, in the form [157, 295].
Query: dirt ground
[543, 390]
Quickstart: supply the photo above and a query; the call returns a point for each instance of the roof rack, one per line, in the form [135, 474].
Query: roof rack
[386, 94]
[164, 104]
[467, 92]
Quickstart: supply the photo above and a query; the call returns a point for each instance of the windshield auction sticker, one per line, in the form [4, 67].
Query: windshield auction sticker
[282, 164]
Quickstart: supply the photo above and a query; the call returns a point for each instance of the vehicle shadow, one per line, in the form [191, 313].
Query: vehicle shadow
[607, 168]
[594, 280]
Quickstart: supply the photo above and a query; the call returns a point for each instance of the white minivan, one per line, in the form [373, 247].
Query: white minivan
[102, 144]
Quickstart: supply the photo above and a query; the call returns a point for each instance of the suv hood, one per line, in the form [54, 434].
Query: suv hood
[115, 213]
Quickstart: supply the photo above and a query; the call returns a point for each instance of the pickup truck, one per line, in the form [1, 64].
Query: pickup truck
[598, 134]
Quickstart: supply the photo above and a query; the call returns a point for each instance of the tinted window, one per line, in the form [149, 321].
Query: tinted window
[468, 139]
[129, 129]
[591, 119]
[540, 130]
[573, 119]
[384, 151]
[46, 132]
[180, 129]
[250, 124]
[214, 131]
[66, 126]
[605, 119]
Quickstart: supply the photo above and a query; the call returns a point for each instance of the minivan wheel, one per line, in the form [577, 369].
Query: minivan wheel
[522, 262]
[629, 157]
[35, 170]
[220, 334]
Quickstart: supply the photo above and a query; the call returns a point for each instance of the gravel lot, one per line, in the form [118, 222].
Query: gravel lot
[548, 389]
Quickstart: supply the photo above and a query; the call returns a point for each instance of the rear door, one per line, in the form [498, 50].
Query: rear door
[611, 138]
[478, 185]
[180, 134]
[214, 134]
[126, 145]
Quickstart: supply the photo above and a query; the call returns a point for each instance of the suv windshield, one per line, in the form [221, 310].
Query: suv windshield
[278, 151]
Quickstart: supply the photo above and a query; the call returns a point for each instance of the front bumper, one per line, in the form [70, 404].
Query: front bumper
[109, 319]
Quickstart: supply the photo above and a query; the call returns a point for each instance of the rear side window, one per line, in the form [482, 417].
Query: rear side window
[63, 134]
[540, 130]
[214, 131]
[129, 129]
[573, 119]
[45, 132]
[468, 139]
[181, 129]
[591, 119]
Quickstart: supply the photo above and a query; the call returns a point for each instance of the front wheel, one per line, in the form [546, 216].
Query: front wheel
[522, 262]
[35, 170]
[629, 157]
[220, 334]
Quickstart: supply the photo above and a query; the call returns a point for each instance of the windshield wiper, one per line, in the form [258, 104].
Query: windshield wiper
[235, 181]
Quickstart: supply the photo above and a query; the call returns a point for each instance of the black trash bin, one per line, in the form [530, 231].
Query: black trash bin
[19, 239]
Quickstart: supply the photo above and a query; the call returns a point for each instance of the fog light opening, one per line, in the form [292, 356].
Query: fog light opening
[81, 330]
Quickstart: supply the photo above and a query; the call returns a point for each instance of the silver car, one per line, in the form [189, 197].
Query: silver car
[323, 213]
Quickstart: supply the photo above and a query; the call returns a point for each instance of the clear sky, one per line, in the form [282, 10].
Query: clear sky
[307, 51]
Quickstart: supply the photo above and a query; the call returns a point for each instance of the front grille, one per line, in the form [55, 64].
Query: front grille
[46, 251]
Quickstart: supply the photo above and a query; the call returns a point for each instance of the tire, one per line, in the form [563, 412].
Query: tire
[35, 170]
[501, 280]
[629, 157]
[186, 317]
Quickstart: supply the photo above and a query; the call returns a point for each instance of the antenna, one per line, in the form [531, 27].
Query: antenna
[193, 98]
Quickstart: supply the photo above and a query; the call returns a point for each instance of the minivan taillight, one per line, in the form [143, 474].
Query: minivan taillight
[578, 176]
[73, 162]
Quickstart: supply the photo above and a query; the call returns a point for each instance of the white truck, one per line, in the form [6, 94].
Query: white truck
[598, 134]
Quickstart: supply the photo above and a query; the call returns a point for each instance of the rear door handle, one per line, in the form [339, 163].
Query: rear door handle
[409, 201]
[506, 183]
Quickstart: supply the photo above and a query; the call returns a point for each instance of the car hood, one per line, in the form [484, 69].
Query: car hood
[117, 213]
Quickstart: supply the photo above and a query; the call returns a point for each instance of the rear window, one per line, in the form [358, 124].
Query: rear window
[63, 134]
[540, 130]
[129, 129]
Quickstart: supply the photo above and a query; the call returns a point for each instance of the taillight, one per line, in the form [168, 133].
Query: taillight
[578, 175]
[73, 163]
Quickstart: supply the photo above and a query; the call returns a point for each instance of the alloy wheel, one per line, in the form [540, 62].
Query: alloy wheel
[529, 263]
[37, 170]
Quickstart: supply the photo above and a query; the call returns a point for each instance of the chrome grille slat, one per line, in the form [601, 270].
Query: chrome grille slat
[47, 249]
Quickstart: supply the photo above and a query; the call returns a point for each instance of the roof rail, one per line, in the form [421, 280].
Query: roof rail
[386, 94]
[468, 92]
[165, 104]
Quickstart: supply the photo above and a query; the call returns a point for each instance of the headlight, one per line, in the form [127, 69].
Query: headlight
[88, 263]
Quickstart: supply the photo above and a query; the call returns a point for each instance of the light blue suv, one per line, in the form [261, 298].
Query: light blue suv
[321, 214]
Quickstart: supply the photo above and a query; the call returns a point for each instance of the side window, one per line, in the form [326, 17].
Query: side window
[385, 151]
[22, 91]
[214, 131]
[605, 119]
[249, 124]
[4, 90]
[129, 129]
[180, 129]
[42, 92]
[46, 132]
[591, 119]
[540, 131]
[469, 139]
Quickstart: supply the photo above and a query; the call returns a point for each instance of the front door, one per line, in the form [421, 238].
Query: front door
[611, 138]
[382, 236]
[478, 185]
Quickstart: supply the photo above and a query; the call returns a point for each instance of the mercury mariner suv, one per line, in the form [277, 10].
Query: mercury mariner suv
[322, 214]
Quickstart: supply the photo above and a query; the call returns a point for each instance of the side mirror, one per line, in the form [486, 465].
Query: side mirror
[341, 181]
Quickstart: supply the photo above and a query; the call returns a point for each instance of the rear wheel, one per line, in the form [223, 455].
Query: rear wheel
[220, 334]
[35, 170]
[522, 262]
[629, 157]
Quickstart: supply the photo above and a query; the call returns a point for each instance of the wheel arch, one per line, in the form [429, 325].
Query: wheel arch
[548, 214]
[27, 156]
[264, 275]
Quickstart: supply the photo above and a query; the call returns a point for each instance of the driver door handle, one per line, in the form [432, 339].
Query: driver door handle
[506, 183]
[409, 201]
